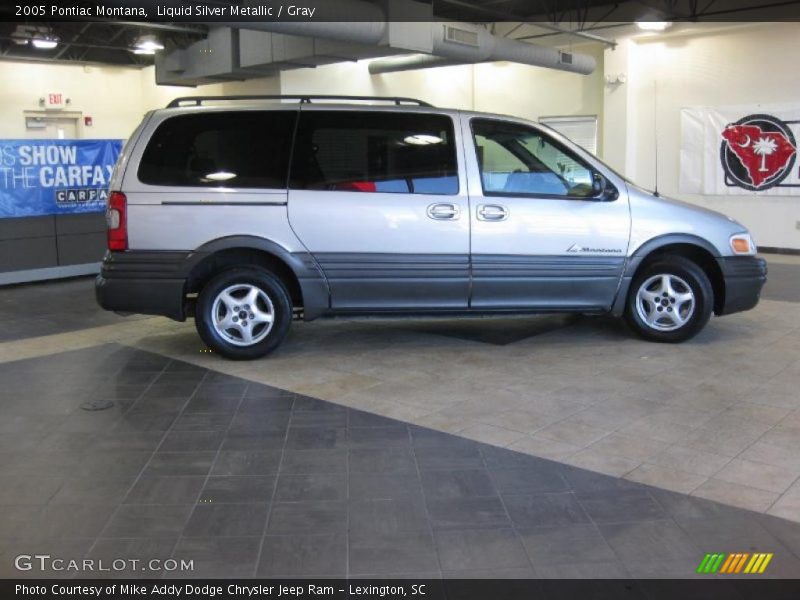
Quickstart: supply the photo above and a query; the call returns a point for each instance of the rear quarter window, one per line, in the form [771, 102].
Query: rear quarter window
[244, 149]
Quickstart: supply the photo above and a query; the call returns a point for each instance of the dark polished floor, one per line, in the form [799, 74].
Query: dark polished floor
[248, 480]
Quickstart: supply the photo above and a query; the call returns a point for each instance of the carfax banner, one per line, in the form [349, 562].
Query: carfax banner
[49, 177]
[740, 150]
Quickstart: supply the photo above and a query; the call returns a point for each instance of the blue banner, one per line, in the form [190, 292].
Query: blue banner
[54, 177]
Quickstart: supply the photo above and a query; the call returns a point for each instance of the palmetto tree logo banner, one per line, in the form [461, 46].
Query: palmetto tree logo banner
[740, 150]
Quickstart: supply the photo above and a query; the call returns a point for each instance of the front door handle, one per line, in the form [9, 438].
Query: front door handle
[492, 212]
[444, 212]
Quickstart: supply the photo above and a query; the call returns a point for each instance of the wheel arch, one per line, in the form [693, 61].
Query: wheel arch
[298, 270]
[691, 247]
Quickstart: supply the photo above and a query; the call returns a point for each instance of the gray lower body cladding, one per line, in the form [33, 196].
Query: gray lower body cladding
[155, 283]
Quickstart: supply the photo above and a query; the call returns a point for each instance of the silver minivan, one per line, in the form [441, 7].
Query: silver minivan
[246, 212]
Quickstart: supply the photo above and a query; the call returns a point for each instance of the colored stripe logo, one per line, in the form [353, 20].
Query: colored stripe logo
[735, 562]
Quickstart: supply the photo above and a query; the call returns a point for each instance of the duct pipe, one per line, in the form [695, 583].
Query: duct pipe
[468, 44]
[486, 48]
[408, 62]
[354, 21]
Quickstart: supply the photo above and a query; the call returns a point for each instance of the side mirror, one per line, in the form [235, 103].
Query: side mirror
[602, 190]
[599, 184]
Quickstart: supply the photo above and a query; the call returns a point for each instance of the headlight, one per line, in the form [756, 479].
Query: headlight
[742, 243]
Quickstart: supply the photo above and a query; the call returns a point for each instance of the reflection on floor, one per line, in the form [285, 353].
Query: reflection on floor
[247, 479]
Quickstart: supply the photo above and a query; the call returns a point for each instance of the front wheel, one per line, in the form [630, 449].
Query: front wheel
[671, 300]
[243, 313]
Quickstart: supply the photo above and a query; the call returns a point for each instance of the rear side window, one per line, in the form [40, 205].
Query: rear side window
[245, 149]
[403, 153]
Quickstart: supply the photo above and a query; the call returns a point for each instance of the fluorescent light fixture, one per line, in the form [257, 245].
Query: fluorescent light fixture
[219, 176]
[653, 25]
[147, 44]
[47, 43]
[422, 139]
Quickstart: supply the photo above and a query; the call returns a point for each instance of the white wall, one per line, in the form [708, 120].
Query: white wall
[115, 97]
[735, 65]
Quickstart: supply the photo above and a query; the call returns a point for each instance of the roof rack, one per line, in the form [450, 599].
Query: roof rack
[304, 99]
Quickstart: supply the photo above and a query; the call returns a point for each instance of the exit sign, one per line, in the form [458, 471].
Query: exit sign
[54, 100]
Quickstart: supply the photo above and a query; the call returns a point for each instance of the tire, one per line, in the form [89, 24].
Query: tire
[682, 313]
[233, 312]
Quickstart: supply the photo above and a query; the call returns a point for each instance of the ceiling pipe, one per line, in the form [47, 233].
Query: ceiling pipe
[408, 62]
[486, 48]
[366, 24]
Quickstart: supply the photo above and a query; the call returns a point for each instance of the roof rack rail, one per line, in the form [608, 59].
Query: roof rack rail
[304, 99]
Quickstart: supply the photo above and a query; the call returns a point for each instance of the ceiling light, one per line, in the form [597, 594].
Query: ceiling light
[45, 43]
[653, 25]
[147, 44]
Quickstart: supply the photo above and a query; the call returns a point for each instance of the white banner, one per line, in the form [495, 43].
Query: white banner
[740, 150]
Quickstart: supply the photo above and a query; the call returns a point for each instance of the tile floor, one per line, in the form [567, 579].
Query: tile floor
[250, 480]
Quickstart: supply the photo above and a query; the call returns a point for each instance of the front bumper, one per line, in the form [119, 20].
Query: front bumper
[143, 282]
[744, 277]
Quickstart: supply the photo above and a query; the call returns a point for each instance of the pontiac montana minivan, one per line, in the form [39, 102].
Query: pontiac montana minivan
[245, 212]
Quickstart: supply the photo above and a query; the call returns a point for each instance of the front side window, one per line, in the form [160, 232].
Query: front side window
[519, 160]
[244, 149]
[353, 151]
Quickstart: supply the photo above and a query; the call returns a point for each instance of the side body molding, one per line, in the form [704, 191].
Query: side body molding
[313, 284]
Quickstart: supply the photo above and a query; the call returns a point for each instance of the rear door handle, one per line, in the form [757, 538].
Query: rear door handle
[492, 212]
[444, 212]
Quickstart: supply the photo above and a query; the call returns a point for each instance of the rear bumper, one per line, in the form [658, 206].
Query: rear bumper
[148, 283]
[744, 277]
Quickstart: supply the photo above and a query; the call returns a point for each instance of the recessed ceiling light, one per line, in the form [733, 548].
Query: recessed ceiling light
[147, 44]
[653, 25]
[47, 43]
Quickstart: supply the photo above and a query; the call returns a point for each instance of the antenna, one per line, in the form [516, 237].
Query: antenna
[655, 133]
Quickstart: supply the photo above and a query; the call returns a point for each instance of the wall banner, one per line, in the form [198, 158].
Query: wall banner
[53, 177]
[740, 150]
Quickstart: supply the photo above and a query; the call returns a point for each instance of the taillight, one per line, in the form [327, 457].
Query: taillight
[117, 221]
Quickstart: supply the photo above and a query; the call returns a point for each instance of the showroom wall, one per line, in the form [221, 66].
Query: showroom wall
[115, 98]
[750, 65]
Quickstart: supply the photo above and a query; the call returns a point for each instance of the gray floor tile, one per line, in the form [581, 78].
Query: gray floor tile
[388, 516]
[462, 513]
[480, 549]
[388, 553]
[272, 440]
[203, 422]
[314, 461]
[315, 438]
[218, 557]
[271, 422]
[565, 545]
[650, 541]
[538, 510]
[180, 463]
[238, 490]
[226, 520]
[384, 485]
[165, 490]
[618, 507]
[379, 437]
[381, 460]
[528, 480]
[191, 441]
[460, 456]
[246, 462]
[311, 487]
[303, 555]
[147, 521]
[308, 517]
[91, 491]
[463, 483]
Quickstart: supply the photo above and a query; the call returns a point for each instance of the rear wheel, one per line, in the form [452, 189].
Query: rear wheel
[671, 300]
[243, 313]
